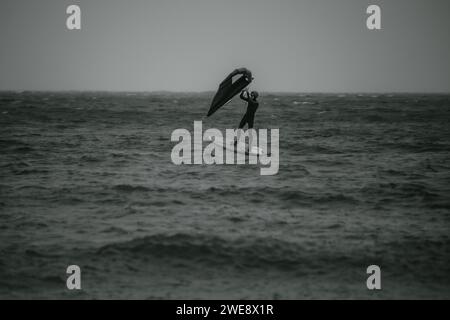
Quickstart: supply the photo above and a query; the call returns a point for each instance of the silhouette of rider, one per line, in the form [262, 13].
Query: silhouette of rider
[252, 106]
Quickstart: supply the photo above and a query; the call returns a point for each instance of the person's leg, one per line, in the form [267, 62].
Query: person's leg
[250, 121]
[243, 121]
[241, 126]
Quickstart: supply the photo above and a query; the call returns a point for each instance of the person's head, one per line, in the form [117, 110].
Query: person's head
[254, 94]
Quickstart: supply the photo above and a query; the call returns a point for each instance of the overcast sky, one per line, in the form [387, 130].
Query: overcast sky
[190, 45]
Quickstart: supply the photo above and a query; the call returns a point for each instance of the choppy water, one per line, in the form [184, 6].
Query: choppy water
[86, 179]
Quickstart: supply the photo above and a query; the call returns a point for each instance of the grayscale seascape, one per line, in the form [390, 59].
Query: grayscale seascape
[86, 178]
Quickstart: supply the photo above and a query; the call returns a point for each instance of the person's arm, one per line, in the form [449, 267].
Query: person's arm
[242, 96]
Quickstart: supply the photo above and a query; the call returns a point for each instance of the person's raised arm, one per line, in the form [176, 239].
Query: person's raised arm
[242, 96]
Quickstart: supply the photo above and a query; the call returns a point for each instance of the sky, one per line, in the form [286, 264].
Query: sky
[191, 45]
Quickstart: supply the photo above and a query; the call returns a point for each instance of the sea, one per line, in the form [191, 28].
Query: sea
[86, 179]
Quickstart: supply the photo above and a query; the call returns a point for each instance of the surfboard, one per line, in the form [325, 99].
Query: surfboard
[239, 148]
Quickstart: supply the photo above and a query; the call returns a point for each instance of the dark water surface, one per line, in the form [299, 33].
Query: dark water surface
[87, 179]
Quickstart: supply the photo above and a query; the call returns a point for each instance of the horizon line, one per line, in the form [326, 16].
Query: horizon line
[212, 91]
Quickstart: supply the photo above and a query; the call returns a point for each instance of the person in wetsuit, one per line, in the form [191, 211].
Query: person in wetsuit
[252, 106]
[249, 116]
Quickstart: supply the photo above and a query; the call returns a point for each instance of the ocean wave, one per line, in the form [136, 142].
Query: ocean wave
[244, 252]
[300, 197]
[286, 195]
[399, 190]
[30, 171]
[90, 158]
[131, 188]
[23, 149]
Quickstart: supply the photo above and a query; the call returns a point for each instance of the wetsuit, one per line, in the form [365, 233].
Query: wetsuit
[249, 116]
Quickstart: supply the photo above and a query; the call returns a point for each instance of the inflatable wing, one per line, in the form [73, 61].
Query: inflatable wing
[231, 86]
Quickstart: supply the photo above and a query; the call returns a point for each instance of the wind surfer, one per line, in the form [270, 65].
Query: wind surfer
[252, 106]
[249, 116]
